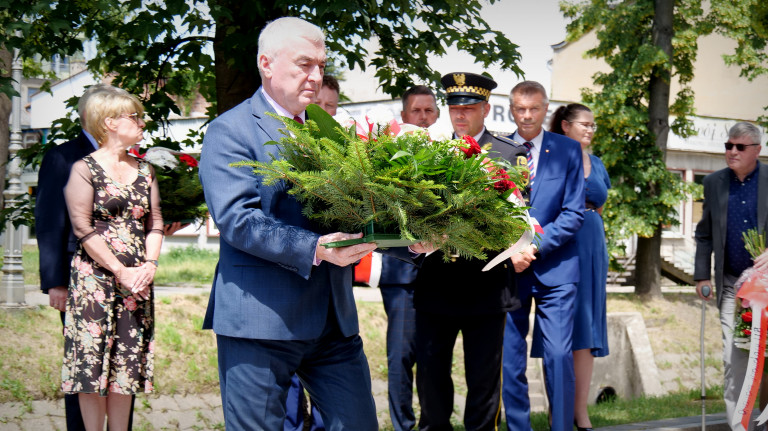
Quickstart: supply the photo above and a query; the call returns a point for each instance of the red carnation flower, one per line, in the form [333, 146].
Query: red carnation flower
[503, 184]
[746, 316]
[747, 332]
[189, 160]
[474, 147]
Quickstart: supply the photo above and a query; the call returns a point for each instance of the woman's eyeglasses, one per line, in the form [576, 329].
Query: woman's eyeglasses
[740, 147]
[586, 125]
[134, 117]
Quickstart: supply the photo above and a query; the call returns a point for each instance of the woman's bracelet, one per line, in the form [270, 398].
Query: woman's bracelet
[152, 261]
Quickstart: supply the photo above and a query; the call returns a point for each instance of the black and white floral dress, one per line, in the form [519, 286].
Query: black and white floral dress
[109, 333]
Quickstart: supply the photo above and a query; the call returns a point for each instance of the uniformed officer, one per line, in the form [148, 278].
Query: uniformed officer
[458, 297]
[467, 97]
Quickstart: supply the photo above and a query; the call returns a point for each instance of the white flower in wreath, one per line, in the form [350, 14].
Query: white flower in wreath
[440, 131]
[161, 157]
[406, 129]
[380, 115]
[345, 120]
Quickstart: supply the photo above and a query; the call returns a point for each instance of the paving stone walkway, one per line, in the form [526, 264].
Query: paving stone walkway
[197, 412]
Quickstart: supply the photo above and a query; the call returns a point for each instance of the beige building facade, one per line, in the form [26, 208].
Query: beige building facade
[722, 98]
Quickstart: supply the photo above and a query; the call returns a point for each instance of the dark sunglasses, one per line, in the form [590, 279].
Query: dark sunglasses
[740, 147]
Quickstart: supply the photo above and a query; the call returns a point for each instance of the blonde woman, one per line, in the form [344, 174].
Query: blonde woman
[114, 206]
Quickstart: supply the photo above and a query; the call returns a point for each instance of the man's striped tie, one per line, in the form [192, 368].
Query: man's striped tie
[531, 167]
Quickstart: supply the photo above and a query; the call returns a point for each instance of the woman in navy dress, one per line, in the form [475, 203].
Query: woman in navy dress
[590, 335]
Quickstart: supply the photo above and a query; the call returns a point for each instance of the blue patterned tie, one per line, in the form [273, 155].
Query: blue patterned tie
[531, 167]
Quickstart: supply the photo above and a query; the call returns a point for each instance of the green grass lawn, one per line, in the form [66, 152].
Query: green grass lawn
[180, 266]
[186, 361]
[623, 411]
[186, 266]
[186, 356]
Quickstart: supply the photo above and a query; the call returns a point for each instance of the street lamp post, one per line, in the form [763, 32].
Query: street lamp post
[13, 271]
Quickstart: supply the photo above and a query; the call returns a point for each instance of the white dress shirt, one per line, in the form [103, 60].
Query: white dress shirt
[537, 142]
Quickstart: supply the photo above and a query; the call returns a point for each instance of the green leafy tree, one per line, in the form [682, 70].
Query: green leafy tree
[168, 51]
[163, 50]
[633, 104]
[50, 33]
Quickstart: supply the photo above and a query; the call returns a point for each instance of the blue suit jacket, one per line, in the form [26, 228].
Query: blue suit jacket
[52, 226]
[265, 285]
[557, 202]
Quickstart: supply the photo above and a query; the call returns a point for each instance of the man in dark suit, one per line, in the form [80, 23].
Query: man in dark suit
[419, 106]
[420, 109]
[458, 297]
[735, 200]
[328, 97]
[55, 240]
[549, 268]
[281, 303]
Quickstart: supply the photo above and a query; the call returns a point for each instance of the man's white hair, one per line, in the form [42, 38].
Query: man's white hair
[280, 32]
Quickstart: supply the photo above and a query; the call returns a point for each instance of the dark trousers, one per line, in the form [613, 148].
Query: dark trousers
[296, 409]
[401, 353]
[482, 338]
[255, 376]
[72, 407]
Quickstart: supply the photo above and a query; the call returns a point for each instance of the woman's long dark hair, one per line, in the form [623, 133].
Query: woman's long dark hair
[568, 113]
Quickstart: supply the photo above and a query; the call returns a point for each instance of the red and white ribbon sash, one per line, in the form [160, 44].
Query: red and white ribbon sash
[753, 291]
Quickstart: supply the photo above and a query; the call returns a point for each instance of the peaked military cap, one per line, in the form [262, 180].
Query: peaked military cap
[462, 88]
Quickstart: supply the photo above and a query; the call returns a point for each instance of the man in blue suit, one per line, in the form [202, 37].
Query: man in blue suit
[281, 302]
[549, 268]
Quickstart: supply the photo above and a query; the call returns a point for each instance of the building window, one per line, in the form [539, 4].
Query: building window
[698, 205]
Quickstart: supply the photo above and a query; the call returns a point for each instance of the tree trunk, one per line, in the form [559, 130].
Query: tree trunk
[6, 58]
[648, 264]
[658, 103]
[237, 76]
[648, 280]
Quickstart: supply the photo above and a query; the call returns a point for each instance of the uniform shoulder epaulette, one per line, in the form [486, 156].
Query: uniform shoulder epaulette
[505, 139]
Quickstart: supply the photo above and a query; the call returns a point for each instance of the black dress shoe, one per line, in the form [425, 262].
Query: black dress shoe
[578, 428]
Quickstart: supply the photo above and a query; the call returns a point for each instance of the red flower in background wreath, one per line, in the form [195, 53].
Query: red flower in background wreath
[474, 147]
[135, 152]
[189, 160]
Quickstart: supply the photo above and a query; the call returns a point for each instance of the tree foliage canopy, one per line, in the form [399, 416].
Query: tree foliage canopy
[645, 194]
[169, 49]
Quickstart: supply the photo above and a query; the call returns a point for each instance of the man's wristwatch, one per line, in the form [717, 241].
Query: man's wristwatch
[152, 261]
